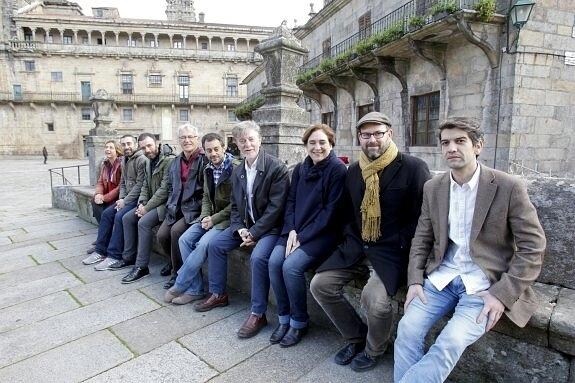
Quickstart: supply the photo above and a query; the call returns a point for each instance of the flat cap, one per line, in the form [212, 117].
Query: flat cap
[374, 118]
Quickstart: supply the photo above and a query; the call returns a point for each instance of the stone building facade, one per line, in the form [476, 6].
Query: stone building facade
[420, 63]
[159, 73]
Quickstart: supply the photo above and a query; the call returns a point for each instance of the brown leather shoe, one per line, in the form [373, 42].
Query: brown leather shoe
[252, 326]
[212, 302]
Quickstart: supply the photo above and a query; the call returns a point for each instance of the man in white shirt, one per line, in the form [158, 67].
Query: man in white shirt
[480, 245]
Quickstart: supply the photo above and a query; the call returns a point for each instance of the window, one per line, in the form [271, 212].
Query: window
[153, 44]
[231, 47]
[86, 114]
[184, 115]
[184, 87]
[365, 25]
[155, 80]
[99, 41]
[232, 116]
[28, 37]
[327, 118]
[425, 120]
[85, 40]
[99, 13]
[50, 126]
[326, 47]
[362, 110]
[131, 43]
[127, 114]
[204, 46]
[232, 86]
[29, 65]
[127, 83]
[56, 76]
[178, 44]
[50, 39]
[67, 40]
[17, 92]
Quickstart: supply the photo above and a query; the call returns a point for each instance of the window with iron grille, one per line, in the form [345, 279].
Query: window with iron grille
[29, 65]
[86, 114]
[184, 87]
[155, 80]
[127, 83]
[230, 47]
[184, 115]
[67, 40]
[127, 114]
[364, 23]
[425, 119]
[204, 46]
[178, 44]
[231, 86]
[56, 76]
[362, 110]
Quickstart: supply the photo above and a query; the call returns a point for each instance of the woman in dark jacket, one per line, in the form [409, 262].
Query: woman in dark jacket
[108, 185]
[310, 232]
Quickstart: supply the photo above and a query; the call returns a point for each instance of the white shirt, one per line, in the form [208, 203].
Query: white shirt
[457, 260]
[251, 172]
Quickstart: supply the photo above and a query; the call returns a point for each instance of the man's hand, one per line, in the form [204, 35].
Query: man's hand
[141, 210]
[492, 309]
[120, 204]
[292, 243]
[414, 291]
[247, 239]
[99, 199]
[207, 223]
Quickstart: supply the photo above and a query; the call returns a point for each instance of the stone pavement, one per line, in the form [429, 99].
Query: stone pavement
[61, 321]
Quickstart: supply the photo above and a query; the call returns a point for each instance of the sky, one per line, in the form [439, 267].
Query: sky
[244, 12]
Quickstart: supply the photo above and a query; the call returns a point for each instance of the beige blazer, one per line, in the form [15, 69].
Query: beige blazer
[507, 240]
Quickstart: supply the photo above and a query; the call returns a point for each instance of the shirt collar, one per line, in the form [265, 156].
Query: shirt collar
[254, 165]
[472, 183]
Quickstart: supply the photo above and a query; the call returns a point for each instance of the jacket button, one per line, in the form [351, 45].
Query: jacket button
[365, 247]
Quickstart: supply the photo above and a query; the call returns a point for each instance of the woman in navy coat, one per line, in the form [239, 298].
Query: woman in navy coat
[310, 232]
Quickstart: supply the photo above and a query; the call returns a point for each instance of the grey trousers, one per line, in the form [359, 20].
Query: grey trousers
[168, 236]
[327, 289]
[138, 236]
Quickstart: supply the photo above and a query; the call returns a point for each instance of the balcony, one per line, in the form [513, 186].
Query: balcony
[27, 47]
[396, 34]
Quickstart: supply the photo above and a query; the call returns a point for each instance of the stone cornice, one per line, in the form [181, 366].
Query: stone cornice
[322, 16]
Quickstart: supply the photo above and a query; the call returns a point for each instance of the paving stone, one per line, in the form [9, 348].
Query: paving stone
[151, 330]
[57, 255]
[170, 363]
[225, 349]
[30, 274]
[330, 372]
[76, 241]
[72, 362]
[39, 337]
[276, 364]
[36, 310]
[86, 272]
[29, 290]
[5, 241]
[8, 264]
[562, 328]
[40, 240]
[25, 250]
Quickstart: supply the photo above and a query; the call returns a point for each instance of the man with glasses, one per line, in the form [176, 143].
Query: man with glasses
[184, 205]
[384, 193]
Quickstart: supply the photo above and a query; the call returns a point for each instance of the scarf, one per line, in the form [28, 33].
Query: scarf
[370, 208]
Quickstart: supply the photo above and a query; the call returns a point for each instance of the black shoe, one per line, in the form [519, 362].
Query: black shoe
[136, 274]
[171, 282]
[293, 336]
[166, 270]
[120, 264]
[363, 362]
[348, 352]
[279, 333]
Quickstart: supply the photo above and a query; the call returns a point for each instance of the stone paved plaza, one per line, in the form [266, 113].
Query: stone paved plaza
[61, 321]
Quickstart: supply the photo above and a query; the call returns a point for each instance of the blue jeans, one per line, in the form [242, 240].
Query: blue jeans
[289, 285]
[462, 330]
[194, 249]
[218, 266]
[110, 241]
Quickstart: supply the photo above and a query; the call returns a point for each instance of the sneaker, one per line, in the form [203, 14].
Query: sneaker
[121, 264]
[93, 258]
[136, 274]
[105, 264]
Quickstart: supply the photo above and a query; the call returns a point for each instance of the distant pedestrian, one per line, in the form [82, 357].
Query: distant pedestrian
[45, 154]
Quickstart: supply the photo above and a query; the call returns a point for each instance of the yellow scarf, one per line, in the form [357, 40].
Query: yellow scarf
[370, 208]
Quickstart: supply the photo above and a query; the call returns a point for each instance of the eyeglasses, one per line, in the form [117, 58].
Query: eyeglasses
[377, 135]
[183, 138]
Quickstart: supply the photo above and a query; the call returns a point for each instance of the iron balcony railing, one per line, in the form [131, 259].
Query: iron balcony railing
[55, 48]
[400, 15]
[65, 174]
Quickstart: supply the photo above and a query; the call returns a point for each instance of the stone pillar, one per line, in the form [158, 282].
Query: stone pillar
[102, 132]
[282, 121]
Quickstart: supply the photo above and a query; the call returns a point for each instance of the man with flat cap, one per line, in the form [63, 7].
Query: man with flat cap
[384, 191]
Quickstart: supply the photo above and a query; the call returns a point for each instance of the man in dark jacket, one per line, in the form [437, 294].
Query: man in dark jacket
[215, 217]
[385, 192]
[186, 190]
[110, 242]
[139, 222]
[260, 185]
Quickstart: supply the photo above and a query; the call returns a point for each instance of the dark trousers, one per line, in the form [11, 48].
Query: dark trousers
[168, 236]
[138, 236]
[110, 240]
[98, 209]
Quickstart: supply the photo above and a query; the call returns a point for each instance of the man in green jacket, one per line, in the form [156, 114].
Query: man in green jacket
[150, 212]
[214, 218]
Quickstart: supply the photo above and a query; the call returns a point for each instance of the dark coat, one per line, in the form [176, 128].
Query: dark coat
[311, 209]
[154, 192]
[270, 190]
[133, 174]
[185, 200]
[400, 196]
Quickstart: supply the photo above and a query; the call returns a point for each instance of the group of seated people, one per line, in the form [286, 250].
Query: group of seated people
[468, 241]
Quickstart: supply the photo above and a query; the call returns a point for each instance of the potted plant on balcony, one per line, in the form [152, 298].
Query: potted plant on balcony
[485, 9]
[443, 8]
[364, 46]
[326, 65]
[343, 58]
[391, 33]
[415, 23]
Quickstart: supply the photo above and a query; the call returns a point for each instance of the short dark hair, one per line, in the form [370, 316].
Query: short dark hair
[212, 137]
[128, 136]
[143, 136]
[469, 125]
[324, 128]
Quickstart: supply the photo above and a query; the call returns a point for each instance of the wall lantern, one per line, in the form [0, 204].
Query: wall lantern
[517, 17]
